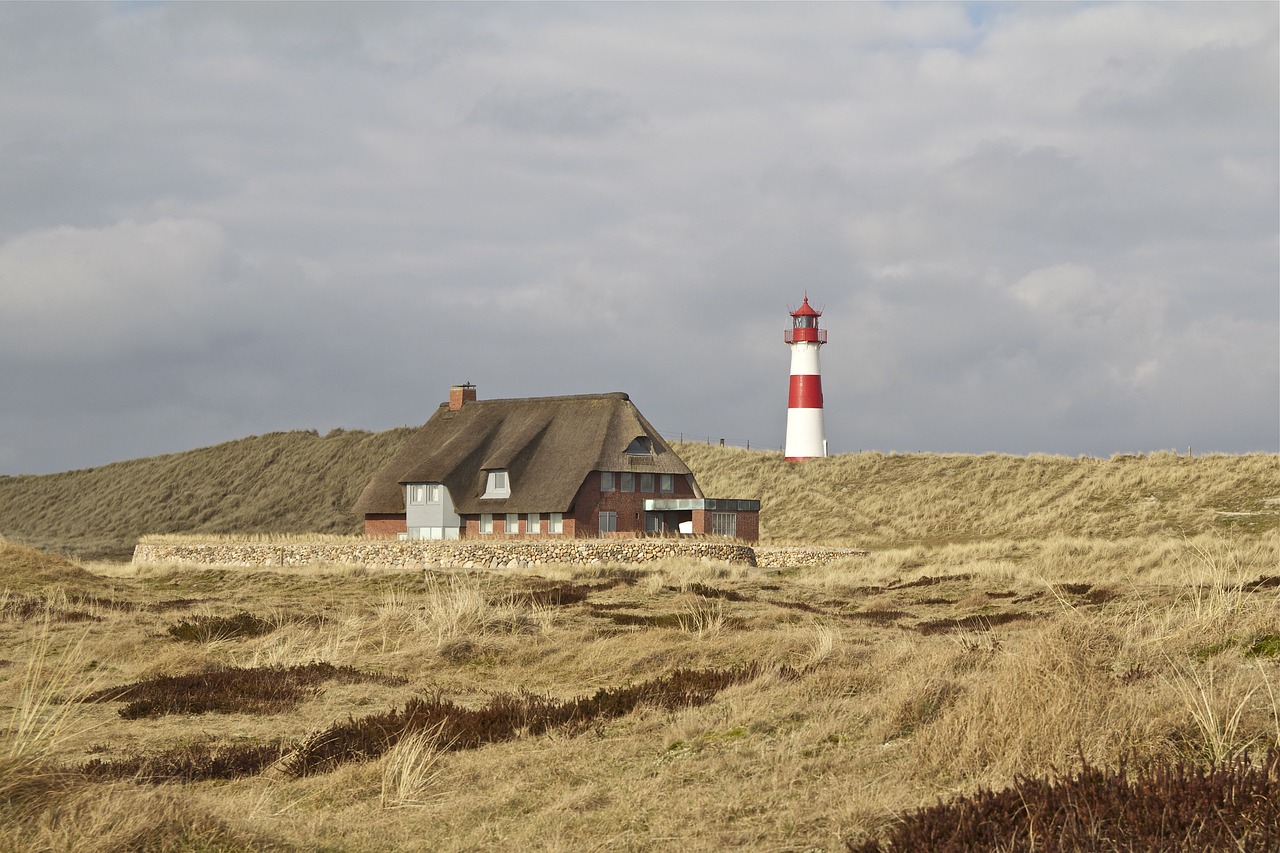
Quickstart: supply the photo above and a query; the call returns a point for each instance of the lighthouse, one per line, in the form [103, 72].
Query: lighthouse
[806, 436]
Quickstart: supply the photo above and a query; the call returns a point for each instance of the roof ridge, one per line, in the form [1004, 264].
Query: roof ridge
[608, 395]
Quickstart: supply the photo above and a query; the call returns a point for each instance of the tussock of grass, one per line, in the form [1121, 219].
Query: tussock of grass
[46, 697]
[411, 768]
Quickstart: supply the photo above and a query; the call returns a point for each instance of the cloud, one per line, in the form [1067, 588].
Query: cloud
[1034, 227]
[88, 293]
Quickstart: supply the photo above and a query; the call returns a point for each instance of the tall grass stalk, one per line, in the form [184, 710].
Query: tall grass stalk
[1217, 713]
[38, 723]
[411, 768]
[1217, 591]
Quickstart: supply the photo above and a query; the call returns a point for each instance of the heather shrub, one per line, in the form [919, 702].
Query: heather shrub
[256, 690]
[1177, 807]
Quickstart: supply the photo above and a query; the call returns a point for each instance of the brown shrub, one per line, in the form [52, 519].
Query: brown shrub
[256, 690]
[505, 717]
[1175, 807]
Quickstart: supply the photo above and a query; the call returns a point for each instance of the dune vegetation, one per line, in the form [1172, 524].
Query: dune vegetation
[283, 482]
[304, 483]
[1037, 653]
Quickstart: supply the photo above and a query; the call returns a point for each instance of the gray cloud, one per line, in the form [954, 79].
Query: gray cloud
[1033, 228]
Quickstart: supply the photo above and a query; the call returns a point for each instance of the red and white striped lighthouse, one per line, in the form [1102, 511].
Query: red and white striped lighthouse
[806, 435]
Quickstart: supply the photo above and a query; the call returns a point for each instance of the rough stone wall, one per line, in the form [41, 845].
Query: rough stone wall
[798, 557]
[456, 554]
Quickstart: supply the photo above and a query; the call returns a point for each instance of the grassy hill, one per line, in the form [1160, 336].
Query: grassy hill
[284, 482]
[300, 482]
[882, 501]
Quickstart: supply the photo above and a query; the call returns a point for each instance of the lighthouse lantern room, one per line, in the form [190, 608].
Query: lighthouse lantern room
[806, 435]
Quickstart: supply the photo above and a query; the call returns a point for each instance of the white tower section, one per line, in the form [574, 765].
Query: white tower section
[806, 432]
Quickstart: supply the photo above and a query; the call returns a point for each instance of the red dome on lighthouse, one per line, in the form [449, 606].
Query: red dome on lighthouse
[806, 310]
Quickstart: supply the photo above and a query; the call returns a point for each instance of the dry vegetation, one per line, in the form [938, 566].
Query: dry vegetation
[873, 500]
[1086, 656]
[284, 482]
[302, 483]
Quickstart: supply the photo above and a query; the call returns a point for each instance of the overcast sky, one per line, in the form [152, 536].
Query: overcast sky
[1031, 228]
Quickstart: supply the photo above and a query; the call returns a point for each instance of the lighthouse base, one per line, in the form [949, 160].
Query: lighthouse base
[806, 435]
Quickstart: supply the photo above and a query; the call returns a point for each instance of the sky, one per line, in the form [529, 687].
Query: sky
[1042, 228]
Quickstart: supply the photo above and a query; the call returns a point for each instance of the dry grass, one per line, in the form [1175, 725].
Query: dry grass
[1115, 660]
[874, 500]
[286, 482]
[974, 646]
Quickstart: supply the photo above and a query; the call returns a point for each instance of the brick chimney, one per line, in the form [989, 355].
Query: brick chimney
[459, 394]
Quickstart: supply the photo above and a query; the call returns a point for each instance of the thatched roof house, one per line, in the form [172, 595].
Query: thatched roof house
[587, 464]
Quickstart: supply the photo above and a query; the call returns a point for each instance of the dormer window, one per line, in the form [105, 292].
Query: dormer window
[497, 485]
[641, 446]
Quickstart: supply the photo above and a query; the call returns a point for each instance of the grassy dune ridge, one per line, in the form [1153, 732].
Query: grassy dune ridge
[300, 482]
[884, 501]
[283, 482]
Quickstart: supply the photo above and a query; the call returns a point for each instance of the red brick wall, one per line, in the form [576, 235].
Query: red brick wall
[384, 525]
[748, 524]
[590, 502]
[701, 522]
[472, 524]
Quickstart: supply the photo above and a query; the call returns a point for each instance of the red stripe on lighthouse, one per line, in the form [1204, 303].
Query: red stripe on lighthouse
[806, 392]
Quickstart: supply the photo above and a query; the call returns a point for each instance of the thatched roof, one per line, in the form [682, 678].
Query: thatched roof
[547, 445]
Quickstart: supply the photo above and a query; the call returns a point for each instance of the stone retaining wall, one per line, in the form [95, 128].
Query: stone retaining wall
[419, 553]
[797, 557]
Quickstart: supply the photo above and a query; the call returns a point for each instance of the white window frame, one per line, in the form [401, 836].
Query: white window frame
[606, 481]
[646, 484]
[667, 483]
[512, 523]
[627, 482]
[417, 494]
[608, 522]
[433, 493]
[555, 522]
[486, 522]
[497, 485]
[533, 524]
[724, 524]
